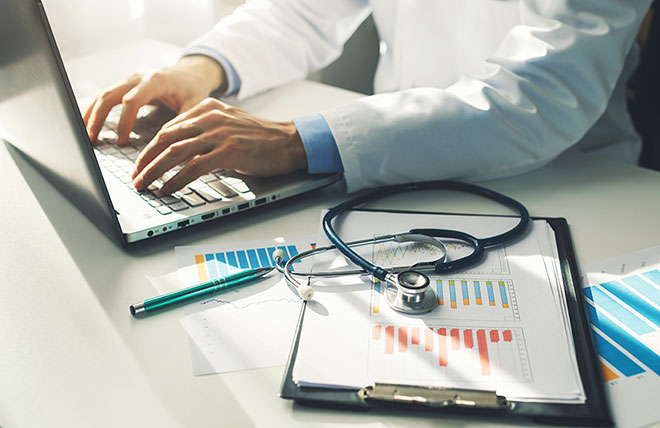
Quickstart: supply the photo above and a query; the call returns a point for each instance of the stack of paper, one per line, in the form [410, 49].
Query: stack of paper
[501, 325]
[623, 301]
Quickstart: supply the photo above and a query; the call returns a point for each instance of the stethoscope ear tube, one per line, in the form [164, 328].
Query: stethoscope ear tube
[446, 266]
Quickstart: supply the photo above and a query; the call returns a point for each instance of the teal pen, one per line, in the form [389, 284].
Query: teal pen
[199, 290]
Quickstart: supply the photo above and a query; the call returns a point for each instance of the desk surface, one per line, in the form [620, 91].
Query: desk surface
[72, 355]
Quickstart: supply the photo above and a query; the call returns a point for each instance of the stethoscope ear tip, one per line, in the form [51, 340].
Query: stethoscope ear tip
[278, 256]
[306, 292]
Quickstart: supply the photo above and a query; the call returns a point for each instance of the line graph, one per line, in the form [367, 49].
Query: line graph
[245, 305]
[407, 254]
[390, 253]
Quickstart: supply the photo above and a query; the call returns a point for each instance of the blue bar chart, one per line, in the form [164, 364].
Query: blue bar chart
[625, 319]
[216, 265]
[467, 299]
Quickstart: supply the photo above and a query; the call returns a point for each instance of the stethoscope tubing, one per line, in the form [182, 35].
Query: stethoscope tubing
[446, 266]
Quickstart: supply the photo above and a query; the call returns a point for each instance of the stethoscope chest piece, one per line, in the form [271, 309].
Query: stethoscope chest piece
[409, 292]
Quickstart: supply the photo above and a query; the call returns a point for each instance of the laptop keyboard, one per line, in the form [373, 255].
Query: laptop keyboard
[119, 161]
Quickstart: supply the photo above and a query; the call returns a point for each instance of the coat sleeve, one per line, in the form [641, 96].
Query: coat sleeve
[273, 42]
[548, 82]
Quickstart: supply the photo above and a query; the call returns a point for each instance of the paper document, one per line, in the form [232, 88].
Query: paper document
[623, 302]
[500, 325]
[243, 328]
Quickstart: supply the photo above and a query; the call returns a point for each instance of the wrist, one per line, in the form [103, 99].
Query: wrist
[209, 71]
[295, 148]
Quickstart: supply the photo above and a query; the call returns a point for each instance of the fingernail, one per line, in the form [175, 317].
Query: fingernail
[137, 183]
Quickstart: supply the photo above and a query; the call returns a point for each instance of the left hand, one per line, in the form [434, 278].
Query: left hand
[213, 135]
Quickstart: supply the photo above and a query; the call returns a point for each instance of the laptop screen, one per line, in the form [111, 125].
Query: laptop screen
[39, 115]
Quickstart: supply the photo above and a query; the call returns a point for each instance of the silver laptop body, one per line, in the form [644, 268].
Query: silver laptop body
[39, 116]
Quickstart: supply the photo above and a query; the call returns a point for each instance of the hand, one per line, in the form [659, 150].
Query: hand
[213, 135]
[179, 88]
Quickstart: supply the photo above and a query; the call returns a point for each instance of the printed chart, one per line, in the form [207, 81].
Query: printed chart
[412, 353]
[407, 254]
[466, 299]
[216, 265]
[625, 318]
[244, 327]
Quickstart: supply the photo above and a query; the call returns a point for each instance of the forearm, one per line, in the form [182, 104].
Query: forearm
[543, 89]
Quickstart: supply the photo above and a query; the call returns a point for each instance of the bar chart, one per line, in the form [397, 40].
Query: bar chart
[466, 299]
[410, 353]
[625, 319]
[218, 264]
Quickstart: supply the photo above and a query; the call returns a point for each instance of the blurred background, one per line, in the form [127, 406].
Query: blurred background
[82, 27]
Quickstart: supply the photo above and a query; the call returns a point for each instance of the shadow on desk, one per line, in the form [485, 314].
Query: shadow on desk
[107, 266]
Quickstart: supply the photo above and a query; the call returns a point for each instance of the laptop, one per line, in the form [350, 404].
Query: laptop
[39, 115]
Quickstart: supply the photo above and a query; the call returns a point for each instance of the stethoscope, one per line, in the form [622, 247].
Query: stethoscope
[407, 289]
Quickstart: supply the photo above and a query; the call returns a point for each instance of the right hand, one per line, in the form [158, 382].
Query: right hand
[178, 87]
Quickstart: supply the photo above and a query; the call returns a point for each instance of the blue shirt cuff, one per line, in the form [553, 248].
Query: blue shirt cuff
[320, 146]
[233, 81]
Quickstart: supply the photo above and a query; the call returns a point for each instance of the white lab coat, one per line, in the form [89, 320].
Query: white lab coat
[466, 89]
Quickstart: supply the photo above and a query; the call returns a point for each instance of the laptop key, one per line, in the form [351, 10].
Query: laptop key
[107, 135]
[208, 177]
[164, 210]
[155, 185]
[196, 185]
[167, 200]
[209, 194]
[179, 206]
[193, 200]
[237, 184]
[222, 188]
[155, 203]
[179, 194]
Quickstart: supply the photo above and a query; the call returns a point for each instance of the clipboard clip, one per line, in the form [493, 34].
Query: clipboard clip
[435, 396]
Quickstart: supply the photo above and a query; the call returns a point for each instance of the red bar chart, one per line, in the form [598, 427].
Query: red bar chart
[409, 353]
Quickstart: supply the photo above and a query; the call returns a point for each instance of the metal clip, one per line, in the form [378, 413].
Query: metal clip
[434, 396]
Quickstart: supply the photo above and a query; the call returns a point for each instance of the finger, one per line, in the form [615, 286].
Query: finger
[162, 140]
[104, 103]
[200, 108]
[194, 168]
[175, 154]
[137, 97]
[88, 112]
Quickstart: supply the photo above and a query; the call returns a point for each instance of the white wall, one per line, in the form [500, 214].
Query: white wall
[82, 26]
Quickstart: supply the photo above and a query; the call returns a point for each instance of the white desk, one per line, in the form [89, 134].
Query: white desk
[71, 355]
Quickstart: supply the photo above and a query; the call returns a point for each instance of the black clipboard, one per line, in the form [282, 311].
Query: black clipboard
[593, 412]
